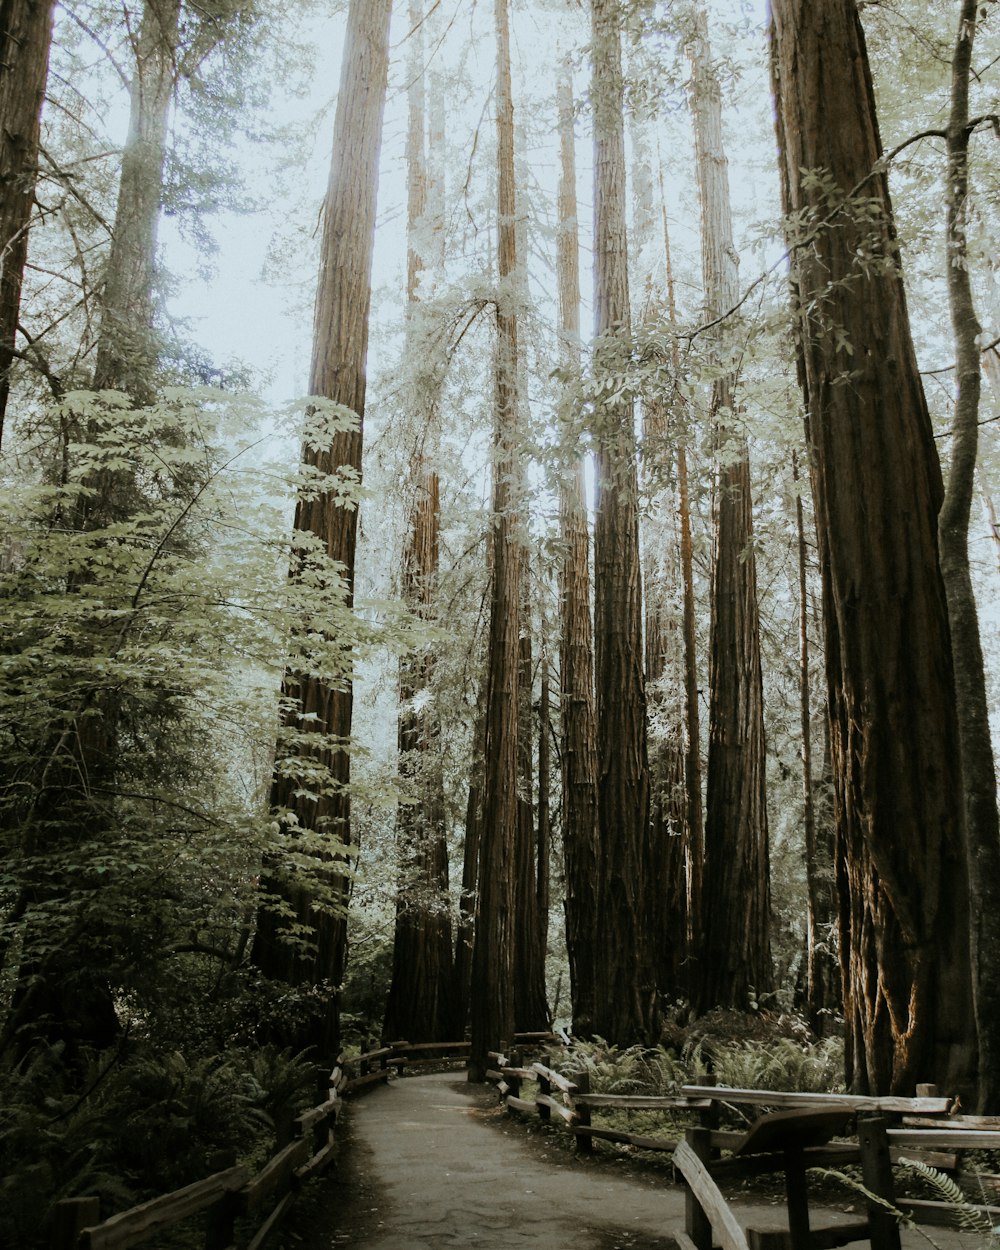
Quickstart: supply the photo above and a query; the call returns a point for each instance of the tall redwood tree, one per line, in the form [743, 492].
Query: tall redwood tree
[316, 706]
[901, 862]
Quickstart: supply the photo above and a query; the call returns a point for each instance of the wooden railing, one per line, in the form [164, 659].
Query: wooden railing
[232, 1198]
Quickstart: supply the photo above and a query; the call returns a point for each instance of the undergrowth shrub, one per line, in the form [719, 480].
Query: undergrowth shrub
[135, 1125]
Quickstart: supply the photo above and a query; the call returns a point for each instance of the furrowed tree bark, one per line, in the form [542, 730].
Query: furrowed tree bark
[421, 1005]
[901, 861]
[340, 349]
[979, 788]
[625, 1009]
[127, 348]
[492, 992]
[576, 645]
[734, 953]
[25, 39]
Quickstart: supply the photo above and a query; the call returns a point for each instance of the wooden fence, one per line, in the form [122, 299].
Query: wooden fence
[790, 1139]
[233, 1199]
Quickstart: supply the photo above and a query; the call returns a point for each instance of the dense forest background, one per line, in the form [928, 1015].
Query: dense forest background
[597, 630]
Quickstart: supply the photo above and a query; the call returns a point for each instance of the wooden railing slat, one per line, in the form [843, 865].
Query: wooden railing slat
[786, 1098]
[131, 1227]
[724, 1224]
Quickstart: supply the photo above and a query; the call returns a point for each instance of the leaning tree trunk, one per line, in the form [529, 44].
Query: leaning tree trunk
[25, 39]
[901, 861]
[492, 991]
[340, 350]
[625, 1008]
[734, 953]
[127, 350]
[576, 647]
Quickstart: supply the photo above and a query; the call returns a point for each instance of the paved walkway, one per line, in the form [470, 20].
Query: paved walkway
[430, 1168]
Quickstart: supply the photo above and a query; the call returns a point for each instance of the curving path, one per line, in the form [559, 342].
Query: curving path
[432, 1165]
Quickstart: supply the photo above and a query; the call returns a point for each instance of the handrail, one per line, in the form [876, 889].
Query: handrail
[234, 1192]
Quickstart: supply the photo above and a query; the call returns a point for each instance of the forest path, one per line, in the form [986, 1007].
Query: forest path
[431, 1163]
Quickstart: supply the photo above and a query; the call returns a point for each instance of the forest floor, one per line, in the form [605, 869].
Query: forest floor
[431, 1163]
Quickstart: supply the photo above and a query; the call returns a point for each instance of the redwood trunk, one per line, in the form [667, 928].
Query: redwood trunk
[340, 349]
[901, 863]
[492, 992]
[979, 785]
[625, 1009]
[734, 954]
[576, 647]
[126, 348]
[25, 39]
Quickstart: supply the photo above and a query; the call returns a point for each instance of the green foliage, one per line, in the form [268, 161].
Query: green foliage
[139, 1123]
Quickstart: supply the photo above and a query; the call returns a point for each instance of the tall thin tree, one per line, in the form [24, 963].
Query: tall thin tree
[625, 1008]
[421, 1003]
[25, 40]
[492, 991]
[734, 952]
[576, 646]
[979, 784]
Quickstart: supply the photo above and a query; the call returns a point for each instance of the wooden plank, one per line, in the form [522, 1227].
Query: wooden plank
[833, 1155]
[277, 1172]
[785, 1098]
[564, 1112]
[825, 1238]
[420, 1047]
[943, 1160]
[683, 1241]
[308, 1120]
[641, 1102]
[953, 1121]
[316, 1164]
[948, 1139]
[519, 1104]
[128, 1228]
[554, 1078]
[794, 1129]
[356, 1082]
[724, 1224]
[625, 1139]
[925, 1211]
[262, 1233]
[369, 1055]
[427, 1062]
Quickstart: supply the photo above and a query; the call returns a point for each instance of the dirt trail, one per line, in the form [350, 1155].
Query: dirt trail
[430, 1164]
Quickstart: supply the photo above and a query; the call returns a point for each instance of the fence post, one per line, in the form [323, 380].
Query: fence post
[514, 1082]
[544, 1088]
[584, 1141]
[876, 1174]
[69, 1218]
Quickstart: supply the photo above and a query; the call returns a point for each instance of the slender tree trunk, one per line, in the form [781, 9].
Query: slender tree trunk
[822, 989]
[421, 1003]
[531, 1011]
[127, 350]
[25, 39]
[901, 860]
[492, 995]
[340, 349]
[468, 899]
[625, 1010]
[576, 646]
[979, 787]
[694, 846]
[665, 889]
[735, 951]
